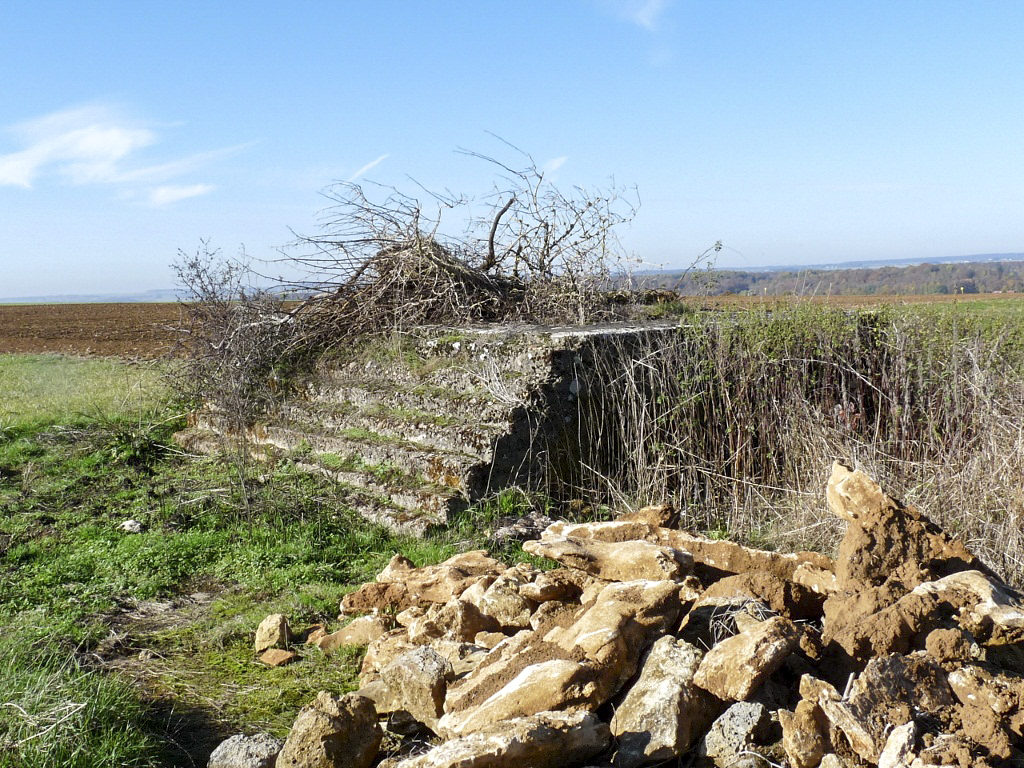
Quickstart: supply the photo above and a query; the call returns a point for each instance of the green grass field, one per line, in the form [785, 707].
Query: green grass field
[84, 446]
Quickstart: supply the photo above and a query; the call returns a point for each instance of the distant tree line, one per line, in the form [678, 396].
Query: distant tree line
[959, 278]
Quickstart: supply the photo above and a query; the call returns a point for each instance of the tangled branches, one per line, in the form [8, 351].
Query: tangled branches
[536, 254]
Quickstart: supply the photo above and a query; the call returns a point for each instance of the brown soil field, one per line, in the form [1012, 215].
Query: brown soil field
[136, 330]
[146, 330]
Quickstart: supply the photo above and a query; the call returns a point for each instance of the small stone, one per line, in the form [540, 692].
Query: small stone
[742, 726]
[272, 631]
[131, 526]
[278, 657]
[241, 751]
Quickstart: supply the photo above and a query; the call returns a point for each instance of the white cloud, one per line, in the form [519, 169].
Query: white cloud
[554, 164]
[97, 145]
[646, 13]
[83, 145]
[367, 168]
[643, 13]
[171, 194]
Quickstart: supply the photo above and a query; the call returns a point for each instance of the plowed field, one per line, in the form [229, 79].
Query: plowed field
[142, 330]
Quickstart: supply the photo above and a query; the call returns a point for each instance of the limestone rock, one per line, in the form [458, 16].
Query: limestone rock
[278, 657]
[899, 747]
[543, 740]
[715, 559]
[783, 596]
[240, 751]
[419, 679]
[741, 727]
[401, 584]
[439, 583]
[272, 631]
[803, 737]
[656, 515]
[333, 732]
[622, 622]
[663, 713]
[382, 652]
[613, 532]
[559, 584]
[361, 631]
[503, 603]
[616, 561]
[890, 692]
[735, 667]
[870, 622]
[546, 686]
[455, 620]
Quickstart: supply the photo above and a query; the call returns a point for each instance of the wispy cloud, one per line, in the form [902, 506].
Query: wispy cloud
[97, 145]
[647, 13]
[170, 194]
[367, 168]
[643, 13]
[554, 164]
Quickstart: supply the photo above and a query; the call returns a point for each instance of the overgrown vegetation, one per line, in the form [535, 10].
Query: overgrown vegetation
[736, 418]
[385, 262]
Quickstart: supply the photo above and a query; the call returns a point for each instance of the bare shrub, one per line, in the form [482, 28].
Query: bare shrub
[393, 262]
[242, 349]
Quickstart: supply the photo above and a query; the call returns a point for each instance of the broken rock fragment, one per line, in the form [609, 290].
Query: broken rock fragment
[419, 680]
[735, 667]
[272, 631]
[664, 712]
[543, 740]
[333, 732]
[615, 561]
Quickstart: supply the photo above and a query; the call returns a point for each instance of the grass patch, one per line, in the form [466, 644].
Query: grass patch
[55, 389]
[56, 712]
[86, 446]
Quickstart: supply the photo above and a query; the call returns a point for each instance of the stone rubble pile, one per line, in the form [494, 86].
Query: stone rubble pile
[651, 646]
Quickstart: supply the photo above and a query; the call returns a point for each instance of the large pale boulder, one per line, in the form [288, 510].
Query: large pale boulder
[361, 631]
[543, 740]
[419, 679]
[241, 751]
[664, 712]
[333, 732]
[615, 561]
[736, 667]
[556, 684]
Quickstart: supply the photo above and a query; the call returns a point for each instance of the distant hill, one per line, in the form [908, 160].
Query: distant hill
[155, 295]
[987, 273]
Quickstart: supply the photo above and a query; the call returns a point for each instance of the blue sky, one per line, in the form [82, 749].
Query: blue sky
[795, 131]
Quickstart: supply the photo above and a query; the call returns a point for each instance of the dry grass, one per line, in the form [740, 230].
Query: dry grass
[737, 420]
